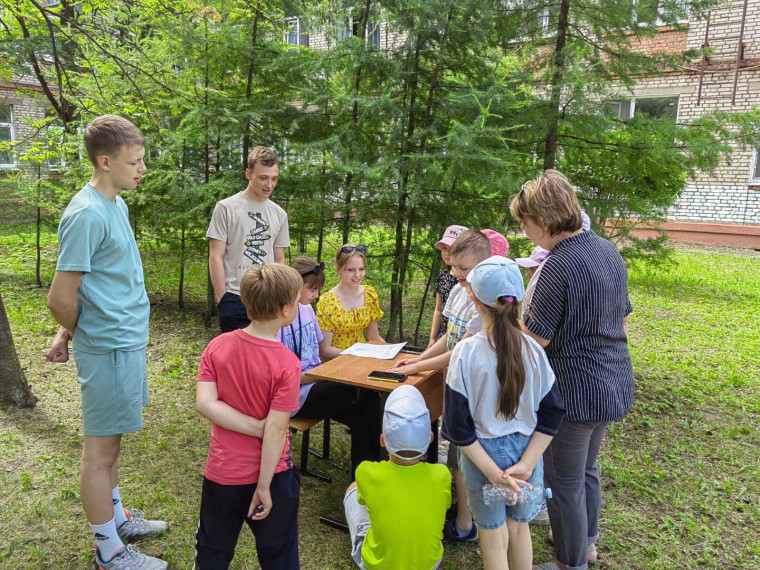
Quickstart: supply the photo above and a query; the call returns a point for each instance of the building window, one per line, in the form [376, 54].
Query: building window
[754, 175]
[350, 26]
[657, 12]
[7, 156]
[651, 107]
[294, 34]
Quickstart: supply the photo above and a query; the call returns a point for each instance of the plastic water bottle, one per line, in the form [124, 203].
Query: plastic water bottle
[504, 495]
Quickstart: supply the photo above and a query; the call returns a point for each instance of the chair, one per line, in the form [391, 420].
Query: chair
[304, 425]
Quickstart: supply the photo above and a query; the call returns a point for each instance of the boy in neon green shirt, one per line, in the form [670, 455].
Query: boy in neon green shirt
[396, 509]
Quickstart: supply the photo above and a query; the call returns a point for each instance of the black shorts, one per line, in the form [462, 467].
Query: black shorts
[224, 508]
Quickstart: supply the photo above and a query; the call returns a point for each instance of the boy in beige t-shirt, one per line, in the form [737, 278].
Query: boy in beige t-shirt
[246, 229]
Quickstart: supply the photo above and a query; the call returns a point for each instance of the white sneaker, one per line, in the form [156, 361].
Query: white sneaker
[137, 526]
[129, 558]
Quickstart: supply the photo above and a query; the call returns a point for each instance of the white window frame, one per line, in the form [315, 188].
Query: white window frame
[754, 169]
[289, 27]
[658, 21]
[373, 29]
[13, 138]
[632, 101]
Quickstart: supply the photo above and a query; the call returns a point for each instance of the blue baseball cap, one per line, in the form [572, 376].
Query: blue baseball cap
[494, 278]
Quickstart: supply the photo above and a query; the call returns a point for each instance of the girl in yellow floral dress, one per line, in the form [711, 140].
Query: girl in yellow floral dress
[349, 312]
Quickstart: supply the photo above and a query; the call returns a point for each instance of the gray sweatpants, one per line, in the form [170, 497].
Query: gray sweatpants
[571, 472]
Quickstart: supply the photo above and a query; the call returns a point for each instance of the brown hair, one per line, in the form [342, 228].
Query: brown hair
[341, 259]
[507, 341]
[264, 155]
[106, 134]
[471, 242]
[550, 200]
[305, 264]
[265, 289]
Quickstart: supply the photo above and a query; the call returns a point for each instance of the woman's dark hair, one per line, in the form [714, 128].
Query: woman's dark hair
[306, 267]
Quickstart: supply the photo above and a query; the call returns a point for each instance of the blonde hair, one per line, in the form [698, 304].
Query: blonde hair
[341, 259]
[471, 242]
[305, 264]
[264, 155]
[106, 134]
[265, 289]
[550, 200]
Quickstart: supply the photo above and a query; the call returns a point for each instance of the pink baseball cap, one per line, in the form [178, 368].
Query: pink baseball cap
[450, 235]
[537, 257]
[499, 244]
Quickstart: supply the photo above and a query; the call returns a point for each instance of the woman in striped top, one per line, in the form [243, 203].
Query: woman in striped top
[579, 314]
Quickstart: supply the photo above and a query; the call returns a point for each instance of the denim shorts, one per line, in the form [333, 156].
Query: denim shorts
[505, 451]
[114, 390]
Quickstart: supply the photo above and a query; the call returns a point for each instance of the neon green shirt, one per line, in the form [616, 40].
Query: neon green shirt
[407, 508]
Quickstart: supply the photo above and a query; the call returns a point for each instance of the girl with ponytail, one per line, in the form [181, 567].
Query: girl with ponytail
[502, 407]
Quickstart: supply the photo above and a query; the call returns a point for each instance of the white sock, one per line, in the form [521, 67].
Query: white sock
[119, 516]
[462, 532]
[107, 540]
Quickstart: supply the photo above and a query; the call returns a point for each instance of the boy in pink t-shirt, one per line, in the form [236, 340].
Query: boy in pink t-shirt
[248, 385]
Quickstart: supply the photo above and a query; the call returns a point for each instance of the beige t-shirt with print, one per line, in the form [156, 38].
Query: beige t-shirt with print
[251, 231]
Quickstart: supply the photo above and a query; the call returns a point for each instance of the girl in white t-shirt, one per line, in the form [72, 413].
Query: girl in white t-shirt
[502, 407]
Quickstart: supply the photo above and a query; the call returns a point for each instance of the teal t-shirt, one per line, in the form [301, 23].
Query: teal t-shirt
[94, 237]
[407, 508]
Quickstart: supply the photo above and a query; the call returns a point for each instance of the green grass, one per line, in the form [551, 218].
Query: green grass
[680, 473]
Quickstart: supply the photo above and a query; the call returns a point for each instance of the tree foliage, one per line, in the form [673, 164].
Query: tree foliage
[438, 125]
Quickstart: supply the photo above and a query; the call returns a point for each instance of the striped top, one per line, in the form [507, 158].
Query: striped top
[579, 303]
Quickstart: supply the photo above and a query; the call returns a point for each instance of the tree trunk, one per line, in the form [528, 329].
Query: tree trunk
[249, 85]
[321, 239]
[355, 120]
[14, 388]
[38, 224]
[410, 89]
[347, 208]
[38, 263]
[550, 150]
[431, 277]
[181, 300]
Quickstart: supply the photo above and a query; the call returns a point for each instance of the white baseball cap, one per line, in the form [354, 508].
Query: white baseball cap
[494, 278]
[406, 422]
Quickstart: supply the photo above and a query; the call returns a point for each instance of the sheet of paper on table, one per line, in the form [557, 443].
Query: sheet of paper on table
[383, 351]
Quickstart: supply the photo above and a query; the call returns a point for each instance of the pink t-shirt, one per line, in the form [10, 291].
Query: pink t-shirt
[252, 375]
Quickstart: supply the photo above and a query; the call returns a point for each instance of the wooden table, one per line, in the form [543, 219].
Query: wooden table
[353, 371]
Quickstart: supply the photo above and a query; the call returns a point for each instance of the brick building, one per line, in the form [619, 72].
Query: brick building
[720, 207]
[21, 102]
[723, 206]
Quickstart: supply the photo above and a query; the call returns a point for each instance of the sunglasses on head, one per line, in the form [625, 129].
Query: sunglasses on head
[320, 268]
[353, 248]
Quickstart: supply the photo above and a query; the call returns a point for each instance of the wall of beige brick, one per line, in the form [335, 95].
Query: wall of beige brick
[26, 109]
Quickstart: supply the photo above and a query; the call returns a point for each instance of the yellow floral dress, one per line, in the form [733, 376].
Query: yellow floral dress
[347, 326]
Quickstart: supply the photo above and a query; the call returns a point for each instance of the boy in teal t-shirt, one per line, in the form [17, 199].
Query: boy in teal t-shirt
[98, 299]
[396, 509]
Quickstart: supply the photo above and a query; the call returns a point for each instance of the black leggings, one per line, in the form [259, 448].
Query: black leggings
[361, 412]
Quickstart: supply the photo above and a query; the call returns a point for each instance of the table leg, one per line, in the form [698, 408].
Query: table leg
[432, 453]
[334, 523]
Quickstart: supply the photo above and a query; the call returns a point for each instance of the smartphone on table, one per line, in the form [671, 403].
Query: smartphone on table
[386, 376]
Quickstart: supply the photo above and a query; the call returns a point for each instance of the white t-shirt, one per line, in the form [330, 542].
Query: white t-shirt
[472, 373]
[528, 296]
[462, 314]
[251, 231]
